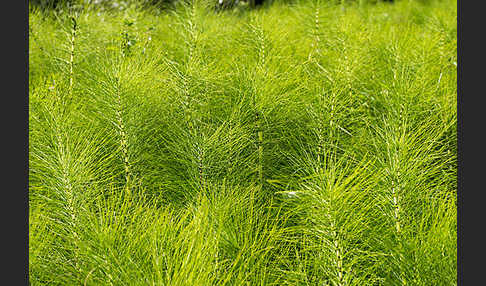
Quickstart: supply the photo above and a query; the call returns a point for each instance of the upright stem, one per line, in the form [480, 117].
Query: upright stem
[260, 149]
[258, 112]
[66, 183]
[320, 121]
[316, 31]
[339, 258]
[119, 110]
[396, 192]
[200, 168]
[122, 132]
[398, 230]
[71, 58]
[187, 100]
[396, 212]
[320, 136]
[397, 201]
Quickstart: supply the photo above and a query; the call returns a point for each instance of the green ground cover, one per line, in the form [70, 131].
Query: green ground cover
[303, 143]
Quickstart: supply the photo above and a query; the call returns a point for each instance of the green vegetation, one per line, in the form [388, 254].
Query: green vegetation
[304, 143]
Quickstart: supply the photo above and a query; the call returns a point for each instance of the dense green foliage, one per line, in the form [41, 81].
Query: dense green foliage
[297, 144]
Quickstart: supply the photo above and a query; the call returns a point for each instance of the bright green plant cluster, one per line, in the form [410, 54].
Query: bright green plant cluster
[297, 144]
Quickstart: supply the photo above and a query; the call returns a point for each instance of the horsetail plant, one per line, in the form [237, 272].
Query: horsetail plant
[259, 77]
[71, 55]
[125, 45]
[293, 144]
